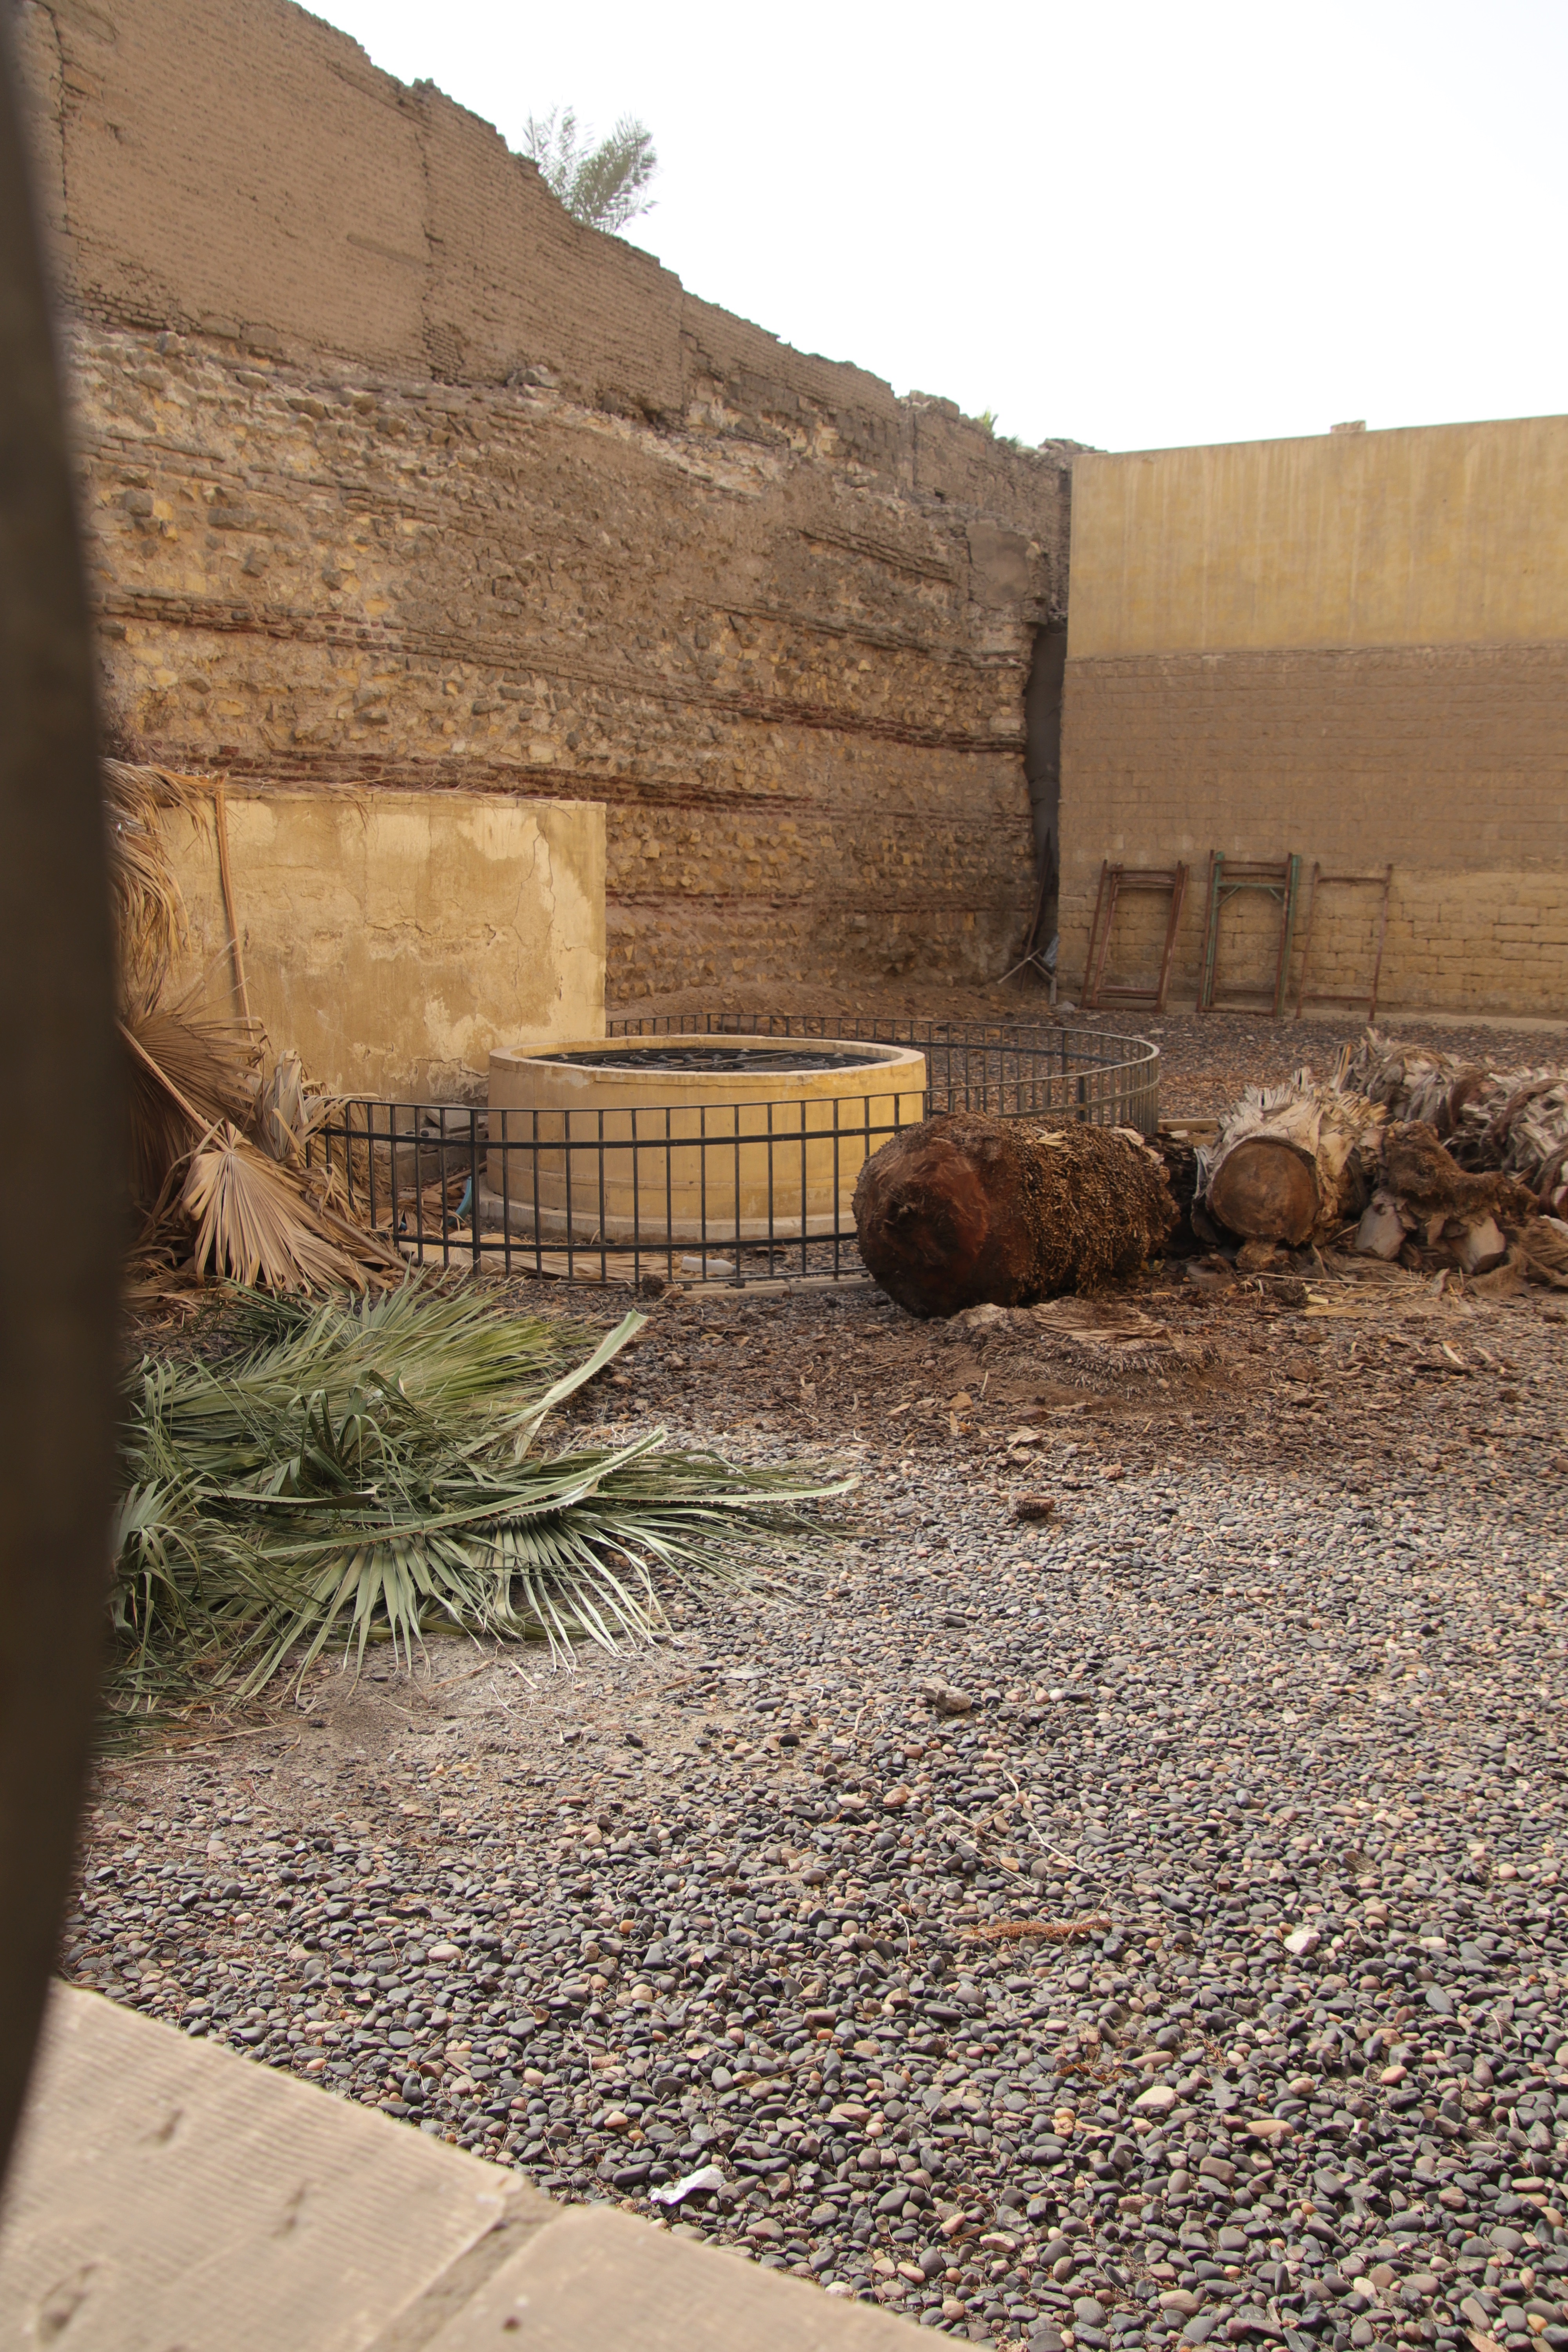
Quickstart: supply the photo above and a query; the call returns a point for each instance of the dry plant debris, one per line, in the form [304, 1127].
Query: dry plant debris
[1510, 1119]
[1050, 1931]
[218, 1158]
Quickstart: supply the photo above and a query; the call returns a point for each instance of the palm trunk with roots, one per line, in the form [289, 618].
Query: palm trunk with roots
[964, 1210]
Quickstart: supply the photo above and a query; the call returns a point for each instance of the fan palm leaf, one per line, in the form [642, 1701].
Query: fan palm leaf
[367, 1473]
[257, 1222]
[185, 1073]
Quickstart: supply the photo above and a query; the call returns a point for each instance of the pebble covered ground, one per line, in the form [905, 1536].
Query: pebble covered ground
[1205, 1060]
[1131, 1922]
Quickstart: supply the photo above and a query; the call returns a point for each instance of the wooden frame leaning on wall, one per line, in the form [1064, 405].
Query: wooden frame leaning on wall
[1114, 881]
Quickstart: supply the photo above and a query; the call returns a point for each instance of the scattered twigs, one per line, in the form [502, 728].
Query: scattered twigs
[1050, 1931]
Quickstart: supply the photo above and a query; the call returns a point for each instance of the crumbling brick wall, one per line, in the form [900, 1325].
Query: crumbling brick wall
[395, 473]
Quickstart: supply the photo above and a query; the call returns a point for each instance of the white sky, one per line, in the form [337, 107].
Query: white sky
[1130, 222]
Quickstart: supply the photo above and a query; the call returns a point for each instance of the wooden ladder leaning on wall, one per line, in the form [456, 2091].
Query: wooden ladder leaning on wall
[1383, 882]
[1279, 879]
[1114, 881]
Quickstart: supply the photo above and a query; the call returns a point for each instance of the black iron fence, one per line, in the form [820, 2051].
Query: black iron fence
[730, 1192]
[1010, 1069]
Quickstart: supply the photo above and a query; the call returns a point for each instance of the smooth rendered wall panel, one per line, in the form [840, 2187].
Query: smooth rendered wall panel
[1451, 534]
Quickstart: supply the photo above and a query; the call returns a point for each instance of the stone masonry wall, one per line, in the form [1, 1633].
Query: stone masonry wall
[394, 475]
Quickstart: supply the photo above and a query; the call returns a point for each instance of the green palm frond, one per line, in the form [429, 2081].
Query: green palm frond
[366, 1472]
[606, 186]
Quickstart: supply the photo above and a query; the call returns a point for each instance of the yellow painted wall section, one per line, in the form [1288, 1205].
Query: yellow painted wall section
[393, 938]
[1439, 535]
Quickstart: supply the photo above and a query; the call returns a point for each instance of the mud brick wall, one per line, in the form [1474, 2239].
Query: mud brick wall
[1350, 647]
[393, 475]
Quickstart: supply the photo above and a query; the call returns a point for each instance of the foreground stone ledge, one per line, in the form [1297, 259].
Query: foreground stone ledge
[171, 2197]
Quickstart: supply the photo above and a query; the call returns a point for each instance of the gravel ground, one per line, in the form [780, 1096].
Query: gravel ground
[1204, 1063]
[1118, 1927]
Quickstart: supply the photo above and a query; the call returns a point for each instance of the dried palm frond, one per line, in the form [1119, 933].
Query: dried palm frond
[289, 1111]
[1050, 1931]
[257, 1223]
[1416, 1082]
[367, 1471]
[148, 910]
[1513, 1119]
[185, 1072]
[196, 1100]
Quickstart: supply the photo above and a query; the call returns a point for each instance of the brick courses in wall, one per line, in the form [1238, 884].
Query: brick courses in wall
[1451, 764]
[1447, 759]
[393, 475]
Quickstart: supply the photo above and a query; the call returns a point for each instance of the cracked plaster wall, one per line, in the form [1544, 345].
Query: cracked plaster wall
[395, 477]
[394, 938]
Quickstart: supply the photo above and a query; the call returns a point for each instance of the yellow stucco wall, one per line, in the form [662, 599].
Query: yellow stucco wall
[1354, 648]
[1439, 535]
[392, 938]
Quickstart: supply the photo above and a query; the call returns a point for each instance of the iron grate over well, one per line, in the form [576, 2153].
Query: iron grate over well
[744, 1059]
[653, 1194]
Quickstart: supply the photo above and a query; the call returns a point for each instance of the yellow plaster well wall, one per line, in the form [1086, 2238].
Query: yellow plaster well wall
[393, 938]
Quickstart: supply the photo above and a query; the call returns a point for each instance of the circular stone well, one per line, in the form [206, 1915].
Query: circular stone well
[697, 1139]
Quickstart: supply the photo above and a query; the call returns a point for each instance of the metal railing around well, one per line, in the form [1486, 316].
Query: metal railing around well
[733, 1193]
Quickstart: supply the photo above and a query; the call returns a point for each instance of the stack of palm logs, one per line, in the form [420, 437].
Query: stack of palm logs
[1401, 1154]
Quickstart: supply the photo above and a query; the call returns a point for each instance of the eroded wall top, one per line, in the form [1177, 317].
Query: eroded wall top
[237, 169]
[1437, 535]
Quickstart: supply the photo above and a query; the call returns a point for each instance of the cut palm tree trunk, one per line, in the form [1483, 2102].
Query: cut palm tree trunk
[964, 1210]
[1291, 1163]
